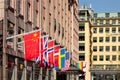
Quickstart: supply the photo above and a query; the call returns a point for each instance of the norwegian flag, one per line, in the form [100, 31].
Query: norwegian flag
[67, 62]
[50, 52]
[43, 53]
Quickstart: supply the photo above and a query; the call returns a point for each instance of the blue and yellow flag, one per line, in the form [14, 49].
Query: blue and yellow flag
[62, 58]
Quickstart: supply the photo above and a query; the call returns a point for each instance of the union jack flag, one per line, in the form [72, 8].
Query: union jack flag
[43, 51]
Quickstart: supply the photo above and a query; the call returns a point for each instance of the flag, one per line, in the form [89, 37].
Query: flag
[43, 54]
[81, 66]
[31, 45]
[67, 62]
[62, 58]
[56, 56]
[50, 52]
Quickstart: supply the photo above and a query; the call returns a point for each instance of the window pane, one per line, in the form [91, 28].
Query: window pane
[107, 30]
[100, 30]
[81, 27]
[81, 46]
[119, 57]
[113, 48]
[101, 48]
[81, 36]
[101, 57]
[113, 30]
[107, 39]
[94, 39]
[107, 57]
[94, 30]
[95, 58]
[95, 15]
[118, 29]
[107, 15]
[113, 39]
[82, 56]
[118, 39]
[113, 21]
[94, 48]
[118, 48]
[107, 21]
[101, 39]
[107, 48]
[113, 57]
[101, 22]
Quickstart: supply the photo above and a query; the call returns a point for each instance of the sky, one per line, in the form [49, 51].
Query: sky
[102, 5]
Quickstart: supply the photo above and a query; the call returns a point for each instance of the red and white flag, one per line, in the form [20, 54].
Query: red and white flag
[50, 52]
[31, 45]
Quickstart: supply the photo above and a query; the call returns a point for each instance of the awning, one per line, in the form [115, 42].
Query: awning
[72, 70]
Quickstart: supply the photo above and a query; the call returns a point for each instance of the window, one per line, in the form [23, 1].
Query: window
[101, 57]
[107, 15]
[82, 56]
[81, 27]
[10, 29]
[81, 36]
[54, 25]
[58, 28]
[119, 57]
[94, 58]
[107, 58]
[118, 14]
[113, 39]
[107, 21]
[81, 46]
[118, 48]
[100, 30]
[95, 22]
[107, 30]
[95, 15]
[118, 39]
[107, 48]
[62, 32]
[119, 29]
[101, 22]
[113, 21]
[94, 48]
[100, 48]
[29, 13]
[20, 30]
[113, 48]
[113, 57]
[107, 39]
[118, 21]
[100, 39]
[94, 30]
[113, 30]
[94, 39]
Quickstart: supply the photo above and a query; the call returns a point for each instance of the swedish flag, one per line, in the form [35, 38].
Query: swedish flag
[62, 58]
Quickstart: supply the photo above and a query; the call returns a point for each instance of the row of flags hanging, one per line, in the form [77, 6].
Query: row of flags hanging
[46, 53]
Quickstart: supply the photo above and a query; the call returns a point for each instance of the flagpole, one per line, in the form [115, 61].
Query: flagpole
[22, 34]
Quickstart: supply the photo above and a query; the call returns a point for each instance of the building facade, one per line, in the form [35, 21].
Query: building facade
[99, 41]
[57, 18]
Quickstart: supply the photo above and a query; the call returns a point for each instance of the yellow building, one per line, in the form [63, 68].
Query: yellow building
[99, 44]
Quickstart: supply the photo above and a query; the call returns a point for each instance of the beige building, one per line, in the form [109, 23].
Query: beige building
[99, 39]
[58, 18]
